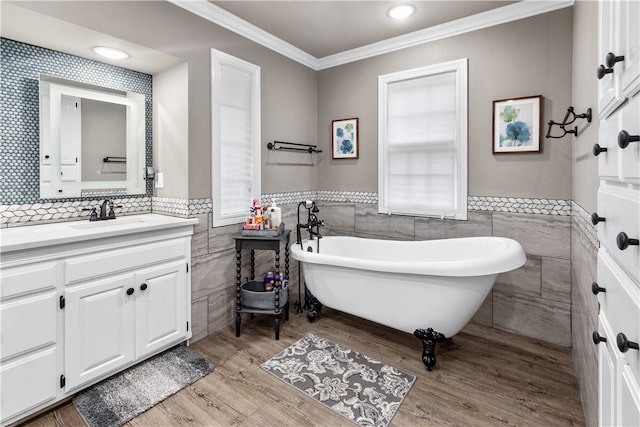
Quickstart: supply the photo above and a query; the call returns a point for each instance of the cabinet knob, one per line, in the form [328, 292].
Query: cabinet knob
[603, 71]
[624, 139]
[143, 287]
[597, 339]
[623, 241]
[611, 59]
[596, 289]
[46, 156]
[597, 149]
[624, 344]
[130, 291]
[595, 219]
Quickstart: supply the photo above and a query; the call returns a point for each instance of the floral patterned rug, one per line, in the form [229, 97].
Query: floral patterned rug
[355, 386]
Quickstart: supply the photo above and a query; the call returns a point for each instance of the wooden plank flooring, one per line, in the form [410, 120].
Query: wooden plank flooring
[484, 377]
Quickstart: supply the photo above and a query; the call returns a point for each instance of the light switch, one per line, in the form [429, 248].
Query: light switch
[159, 180]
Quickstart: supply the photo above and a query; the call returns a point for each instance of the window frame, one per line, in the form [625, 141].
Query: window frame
[221, 59]
[460, 68]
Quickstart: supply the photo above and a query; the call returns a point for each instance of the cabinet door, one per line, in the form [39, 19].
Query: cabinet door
[629, 404]
[630, 40]
[630, 156]
[161, 308]
[606, 376]
[608, 138]
[27, 324]
[99, 328]
[608, 86]
[27, 382]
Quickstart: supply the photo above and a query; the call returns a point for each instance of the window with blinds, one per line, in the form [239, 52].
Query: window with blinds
[235, 137]
[422, 141]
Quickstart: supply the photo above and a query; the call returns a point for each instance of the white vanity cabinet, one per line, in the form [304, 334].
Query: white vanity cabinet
[161, 316]
[28, 339]
[112, 321]
[100, 298]
[618, 214]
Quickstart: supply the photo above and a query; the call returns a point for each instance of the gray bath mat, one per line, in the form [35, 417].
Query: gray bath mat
[359, 388]
[123, 396]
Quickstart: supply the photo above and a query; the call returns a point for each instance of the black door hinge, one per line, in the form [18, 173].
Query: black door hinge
[62, 301]
[63, 381]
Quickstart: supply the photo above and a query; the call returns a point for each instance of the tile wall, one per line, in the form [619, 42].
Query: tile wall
[534, 301]
[584, 310]
[22, 65]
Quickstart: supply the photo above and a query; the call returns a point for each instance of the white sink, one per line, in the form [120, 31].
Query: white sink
[105, 223]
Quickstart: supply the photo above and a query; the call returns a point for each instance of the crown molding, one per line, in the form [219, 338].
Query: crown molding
[513, 12]
[502, 15]
[221, 17]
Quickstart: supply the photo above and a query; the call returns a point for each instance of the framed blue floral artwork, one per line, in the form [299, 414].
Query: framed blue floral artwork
[344, 138]
[516, 125]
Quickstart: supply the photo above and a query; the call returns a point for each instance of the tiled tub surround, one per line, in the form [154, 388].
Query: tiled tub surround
[533, 301]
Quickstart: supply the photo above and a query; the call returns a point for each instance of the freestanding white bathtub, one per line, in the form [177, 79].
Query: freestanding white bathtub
[407, 285]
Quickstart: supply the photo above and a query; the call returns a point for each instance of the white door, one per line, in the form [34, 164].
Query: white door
[99, 328]
[161, 318]
[70, 138]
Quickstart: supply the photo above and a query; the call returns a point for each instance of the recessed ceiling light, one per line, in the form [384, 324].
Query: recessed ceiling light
[110, 52]
[401, 11]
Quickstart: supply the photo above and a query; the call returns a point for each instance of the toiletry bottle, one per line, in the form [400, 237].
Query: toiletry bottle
[276, 215]
[266, 218]
[269, 280]
[258, 219]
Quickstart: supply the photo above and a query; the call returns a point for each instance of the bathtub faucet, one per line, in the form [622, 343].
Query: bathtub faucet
[312, 221]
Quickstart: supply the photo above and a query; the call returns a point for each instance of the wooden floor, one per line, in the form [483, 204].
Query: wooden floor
[483, 377]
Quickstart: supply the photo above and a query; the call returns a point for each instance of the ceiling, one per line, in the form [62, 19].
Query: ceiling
[317, 33]
[323, 28]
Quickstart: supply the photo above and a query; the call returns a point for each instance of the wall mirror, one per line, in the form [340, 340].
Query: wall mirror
[92, 140]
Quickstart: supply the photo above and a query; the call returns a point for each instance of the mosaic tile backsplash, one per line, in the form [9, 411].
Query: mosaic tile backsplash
[21, 65]
[33, 213]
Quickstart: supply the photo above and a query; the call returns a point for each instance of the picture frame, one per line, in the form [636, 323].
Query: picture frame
[516, 125]
[344, 138]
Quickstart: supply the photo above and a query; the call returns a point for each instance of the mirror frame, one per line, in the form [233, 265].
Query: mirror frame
[50, 114]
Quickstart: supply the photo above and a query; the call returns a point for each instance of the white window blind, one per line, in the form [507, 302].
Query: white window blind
[422, 141]
[235, 131]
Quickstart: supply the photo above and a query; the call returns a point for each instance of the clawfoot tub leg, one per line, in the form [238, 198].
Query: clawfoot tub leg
[314, 307]
[429, 339]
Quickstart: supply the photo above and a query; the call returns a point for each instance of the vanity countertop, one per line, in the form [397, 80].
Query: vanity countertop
[35, 236]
